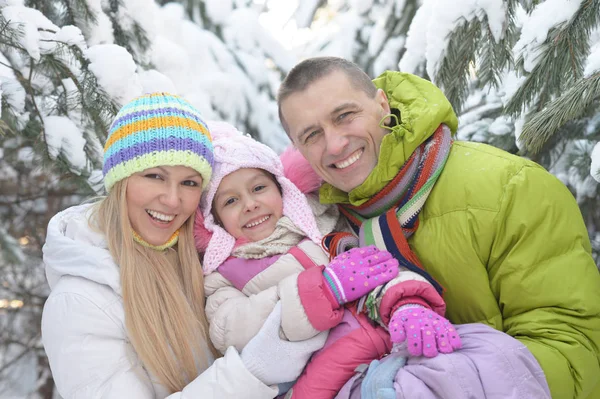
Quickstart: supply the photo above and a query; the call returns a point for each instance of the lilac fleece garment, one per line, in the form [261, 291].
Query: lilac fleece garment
[490, 364]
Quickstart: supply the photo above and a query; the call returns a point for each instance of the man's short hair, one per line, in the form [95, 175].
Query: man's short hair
[312, 69]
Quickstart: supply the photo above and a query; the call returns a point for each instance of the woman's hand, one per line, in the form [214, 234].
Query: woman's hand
[274, 360]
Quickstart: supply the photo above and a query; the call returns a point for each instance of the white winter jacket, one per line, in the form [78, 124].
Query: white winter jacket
[83, 327]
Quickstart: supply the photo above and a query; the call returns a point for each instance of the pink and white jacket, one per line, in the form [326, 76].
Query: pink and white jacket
[243, 292]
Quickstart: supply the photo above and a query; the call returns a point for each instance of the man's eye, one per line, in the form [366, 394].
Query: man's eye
[310, 136]
[343, 116]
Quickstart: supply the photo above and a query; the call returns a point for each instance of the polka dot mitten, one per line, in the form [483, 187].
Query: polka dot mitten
[354, 273]
[426, 333]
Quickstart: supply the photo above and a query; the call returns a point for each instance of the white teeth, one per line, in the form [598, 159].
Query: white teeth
[264, 219]
[350, 160]
[160, 216]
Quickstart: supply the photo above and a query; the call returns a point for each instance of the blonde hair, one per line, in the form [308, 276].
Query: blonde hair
[163, 295]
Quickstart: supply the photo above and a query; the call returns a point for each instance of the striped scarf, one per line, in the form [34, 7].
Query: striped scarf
[389, 218]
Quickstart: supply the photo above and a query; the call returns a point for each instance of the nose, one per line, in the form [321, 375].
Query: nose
[250, 204]
[170, 196]
[336, 141]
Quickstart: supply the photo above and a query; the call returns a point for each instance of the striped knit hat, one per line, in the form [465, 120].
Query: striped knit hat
[157, 129]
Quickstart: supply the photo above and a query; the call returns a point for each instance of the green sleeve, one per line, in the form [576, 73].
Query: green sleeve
[546, 282]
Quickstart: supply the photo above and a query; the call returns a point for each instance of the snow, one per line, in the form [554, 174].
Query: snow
[12, 91]
[416, 39]
[96, 181]
[378, 33]
[244, 31]
[584, 188]
[361, 6]
[154, 81]
[593, 61]
[386, 59]
[519, 123]
[545, 16]
[63, 136]
[430, 30]
[304, 12]
[34, 24]
[595, 167]
[501, 126]
[100, 32]
[71, 35]
[511, 82]
[115, 71]
[26, 155]
[219, 10]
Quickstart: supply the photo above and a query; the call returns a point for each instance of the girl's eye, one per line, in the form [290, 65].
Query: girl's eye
[190, 183]
[153, 176]
[260, 187]
[229, 201]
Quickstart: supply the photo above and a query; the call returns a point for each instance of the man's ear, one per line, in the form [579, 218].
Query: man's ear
[382, 100]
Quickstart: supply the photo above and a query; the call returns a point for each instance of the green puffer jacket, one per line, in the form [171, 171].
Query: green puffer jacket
[503, 236]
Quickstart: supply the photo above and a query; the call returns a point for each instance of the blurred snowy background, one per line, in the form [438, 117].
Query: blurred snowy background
[523, 76]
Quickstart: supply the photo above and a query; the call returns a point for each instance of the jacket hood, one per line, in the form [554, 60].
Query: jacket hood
[72, 248]
[421, 107]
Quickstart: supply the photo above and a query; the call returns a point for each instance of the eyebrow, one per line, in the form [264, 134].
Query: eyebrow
[165, 171]
[219, 195]
[341, 107]
[232, 190]
[337, 109]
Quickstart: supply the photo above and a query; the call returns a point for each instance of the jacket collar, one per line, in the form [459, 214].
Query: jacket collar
[72, 248]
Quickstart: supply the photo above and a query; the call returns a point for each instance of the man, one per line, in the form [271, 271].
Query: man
[503, 237]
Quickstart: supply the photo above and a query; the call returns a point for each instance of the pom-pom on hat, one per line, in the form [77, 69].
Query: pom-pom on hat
[158, 129]
[234, 150]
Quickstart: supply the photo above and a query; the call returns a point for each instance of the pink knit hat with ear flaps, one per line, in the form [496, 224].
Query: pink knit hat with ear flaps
[232, 151]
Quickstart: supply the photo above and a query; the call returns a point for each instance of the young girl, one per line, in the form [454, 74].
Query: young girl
[260, 238]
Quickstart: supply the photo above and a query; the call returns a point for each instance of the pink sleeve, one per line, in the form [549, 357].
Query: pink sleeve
[315, 299]
[410, 291]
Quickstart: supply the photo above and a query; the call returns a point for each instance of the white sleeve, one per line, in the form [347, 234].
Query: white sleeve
[90, 358]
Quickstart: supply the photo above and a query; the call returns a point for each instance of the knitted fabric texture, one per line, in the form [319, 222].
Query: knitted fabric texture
[169, 244]
[391, 216]
[234, 150]
[157, 129]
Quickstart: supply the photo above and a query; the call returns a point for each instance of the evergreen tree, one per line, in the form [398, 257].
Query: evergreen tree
[251, 55]
[370, 33]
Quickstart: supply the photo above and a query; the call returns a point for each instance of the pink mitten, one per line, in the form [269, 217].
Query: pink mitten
[426, 332]
[354, 273]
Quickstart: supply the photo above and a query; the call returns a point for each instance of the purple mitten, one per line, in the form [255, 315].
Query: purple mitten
[354, 273]
[426, 332]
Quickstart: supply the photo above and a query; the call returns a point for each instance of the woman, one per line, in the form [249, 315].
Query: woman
[125, 318]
